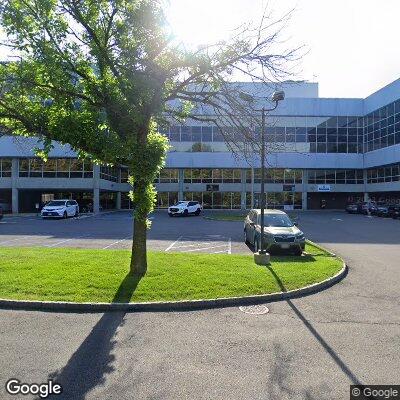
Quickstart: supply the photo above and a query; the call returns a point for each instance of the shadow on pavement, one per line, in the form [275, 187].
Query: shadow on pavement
[339, 362]
[93, 360]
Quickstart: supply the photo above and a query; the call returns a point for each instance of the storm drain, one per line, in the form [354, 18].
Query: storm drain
[254, 310]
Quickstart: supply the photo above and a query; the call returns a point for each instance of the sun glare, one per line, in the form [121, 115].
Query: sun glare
[197, 23]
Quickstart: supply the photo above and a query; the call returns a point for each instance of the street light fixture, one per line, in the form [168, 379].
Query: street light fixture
[262, 257]
[276, 97]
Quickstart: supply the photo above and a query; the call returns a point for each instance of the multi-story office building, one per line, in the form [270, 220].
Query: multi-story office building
[331, 149]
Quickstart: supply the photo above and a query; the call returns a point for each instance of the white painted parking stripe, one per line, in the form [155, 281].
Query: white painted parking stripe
[12, 240]
[195, 244]
[64, 241]
[172, 244]
[118, 241]
[204, 248]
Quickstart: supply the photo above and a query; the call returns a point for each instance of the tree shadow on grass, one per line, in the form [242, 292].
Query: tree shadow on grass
[93, 360]
[335, 357]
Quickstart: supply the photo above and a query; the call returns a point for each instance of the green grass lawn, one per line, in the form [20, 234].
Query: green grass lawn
[81, 275]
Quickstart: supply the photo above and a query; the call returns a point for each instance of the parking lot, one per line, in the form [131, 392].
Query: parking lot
[192, 234]
[114, 231]
[312, 347]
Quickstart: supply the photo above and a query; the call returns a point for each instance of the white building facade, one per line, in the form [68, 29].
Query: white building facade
[329, 150]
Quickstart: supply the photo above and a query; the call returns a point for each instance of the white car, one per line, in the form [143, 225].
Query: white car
[185, 208]
[60, 209]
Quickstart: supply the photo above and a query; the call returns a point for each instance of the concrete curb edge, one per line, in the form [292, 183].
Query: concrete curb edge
[184, 305]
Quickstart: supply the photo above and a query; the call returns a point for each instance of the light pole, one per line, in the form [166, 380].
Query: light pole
[276, 97]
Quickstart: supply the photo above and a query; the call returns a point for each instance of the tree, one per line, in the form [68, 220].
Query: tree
[102, 75]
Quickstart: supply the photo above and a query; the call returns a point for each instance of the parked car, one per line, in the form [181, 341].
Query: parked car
[394, 211]
[353, 208]
[368, 206]
[6, 206]
[185, 208]
[280, 233]
[382, 210]
[60, 209]
[1, 213]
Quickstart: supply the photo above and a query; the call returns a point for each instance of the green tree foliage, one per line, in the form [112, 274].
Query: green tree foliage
[101, 75]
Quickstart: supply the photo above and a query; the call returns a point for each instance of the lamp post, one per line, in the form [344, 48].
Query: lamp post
[276, 97]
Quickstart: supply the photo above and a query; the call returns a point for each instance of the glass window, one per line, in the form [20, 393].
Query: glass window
[76, 168]
[24, 167]
[206, 134]
[50, 168]
[63, 168]
[35, 168]
[340, 177]
[217, 175]
[5, 167]
[174, 134]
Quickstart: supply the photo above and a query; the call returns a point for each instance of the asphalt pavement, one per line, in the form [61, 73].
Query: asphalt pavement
[308, 348]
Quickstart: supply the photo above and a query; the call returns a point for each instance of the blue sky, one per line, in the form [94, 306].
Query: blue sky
[352, 45]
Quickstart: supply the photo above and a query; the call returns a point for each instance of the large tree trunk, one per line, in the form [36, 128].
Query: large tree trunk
[139, 251]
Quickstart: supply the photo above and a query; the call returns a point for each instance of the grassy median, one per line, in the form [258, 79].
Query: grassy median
[80, 275]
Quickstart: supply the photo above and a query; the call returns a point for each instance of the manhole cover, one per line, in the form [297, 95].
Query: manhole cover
[254, 310]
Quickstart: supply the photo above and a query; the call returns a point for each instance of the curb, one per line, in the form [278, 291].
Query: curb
[186, 305]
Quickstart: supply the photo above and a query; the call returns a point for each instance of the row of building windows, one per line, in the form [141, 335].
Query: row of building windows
[389, 173]
[5, 167]
[55, 168]
[232, 200]
[212, 175]
[340, 176]
[74, 168]
[323, 138]
[378, 129]
[382, 127]
[275, 175]
[109, 173]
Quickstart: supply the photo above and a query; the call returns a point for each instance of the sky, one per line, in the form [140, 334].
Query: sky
[351, 47]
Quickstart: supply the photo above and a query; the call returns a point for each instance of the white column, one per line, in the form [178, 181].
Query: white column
[118, 199]
[96, 189]
[304, 190]
[180, 183]
[252, 187]
[366, 195]
[243, 190]
[14, 186]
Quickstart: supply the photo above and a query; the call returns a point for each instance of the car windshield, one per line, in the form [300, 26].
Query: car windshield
[55, 203]
[278, 221]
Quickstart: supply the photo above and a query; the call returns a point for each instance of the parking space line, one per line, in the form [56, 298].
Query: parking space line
[64, 241]
[12, 240]
[196, 244]
[118, 241]
[172, 244]
[204, 248]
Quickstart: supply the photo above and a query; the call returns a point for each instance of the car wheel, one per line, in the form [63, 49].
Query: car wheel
[197, 212]
[76, 213]
[185, 213]
[65, 215]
